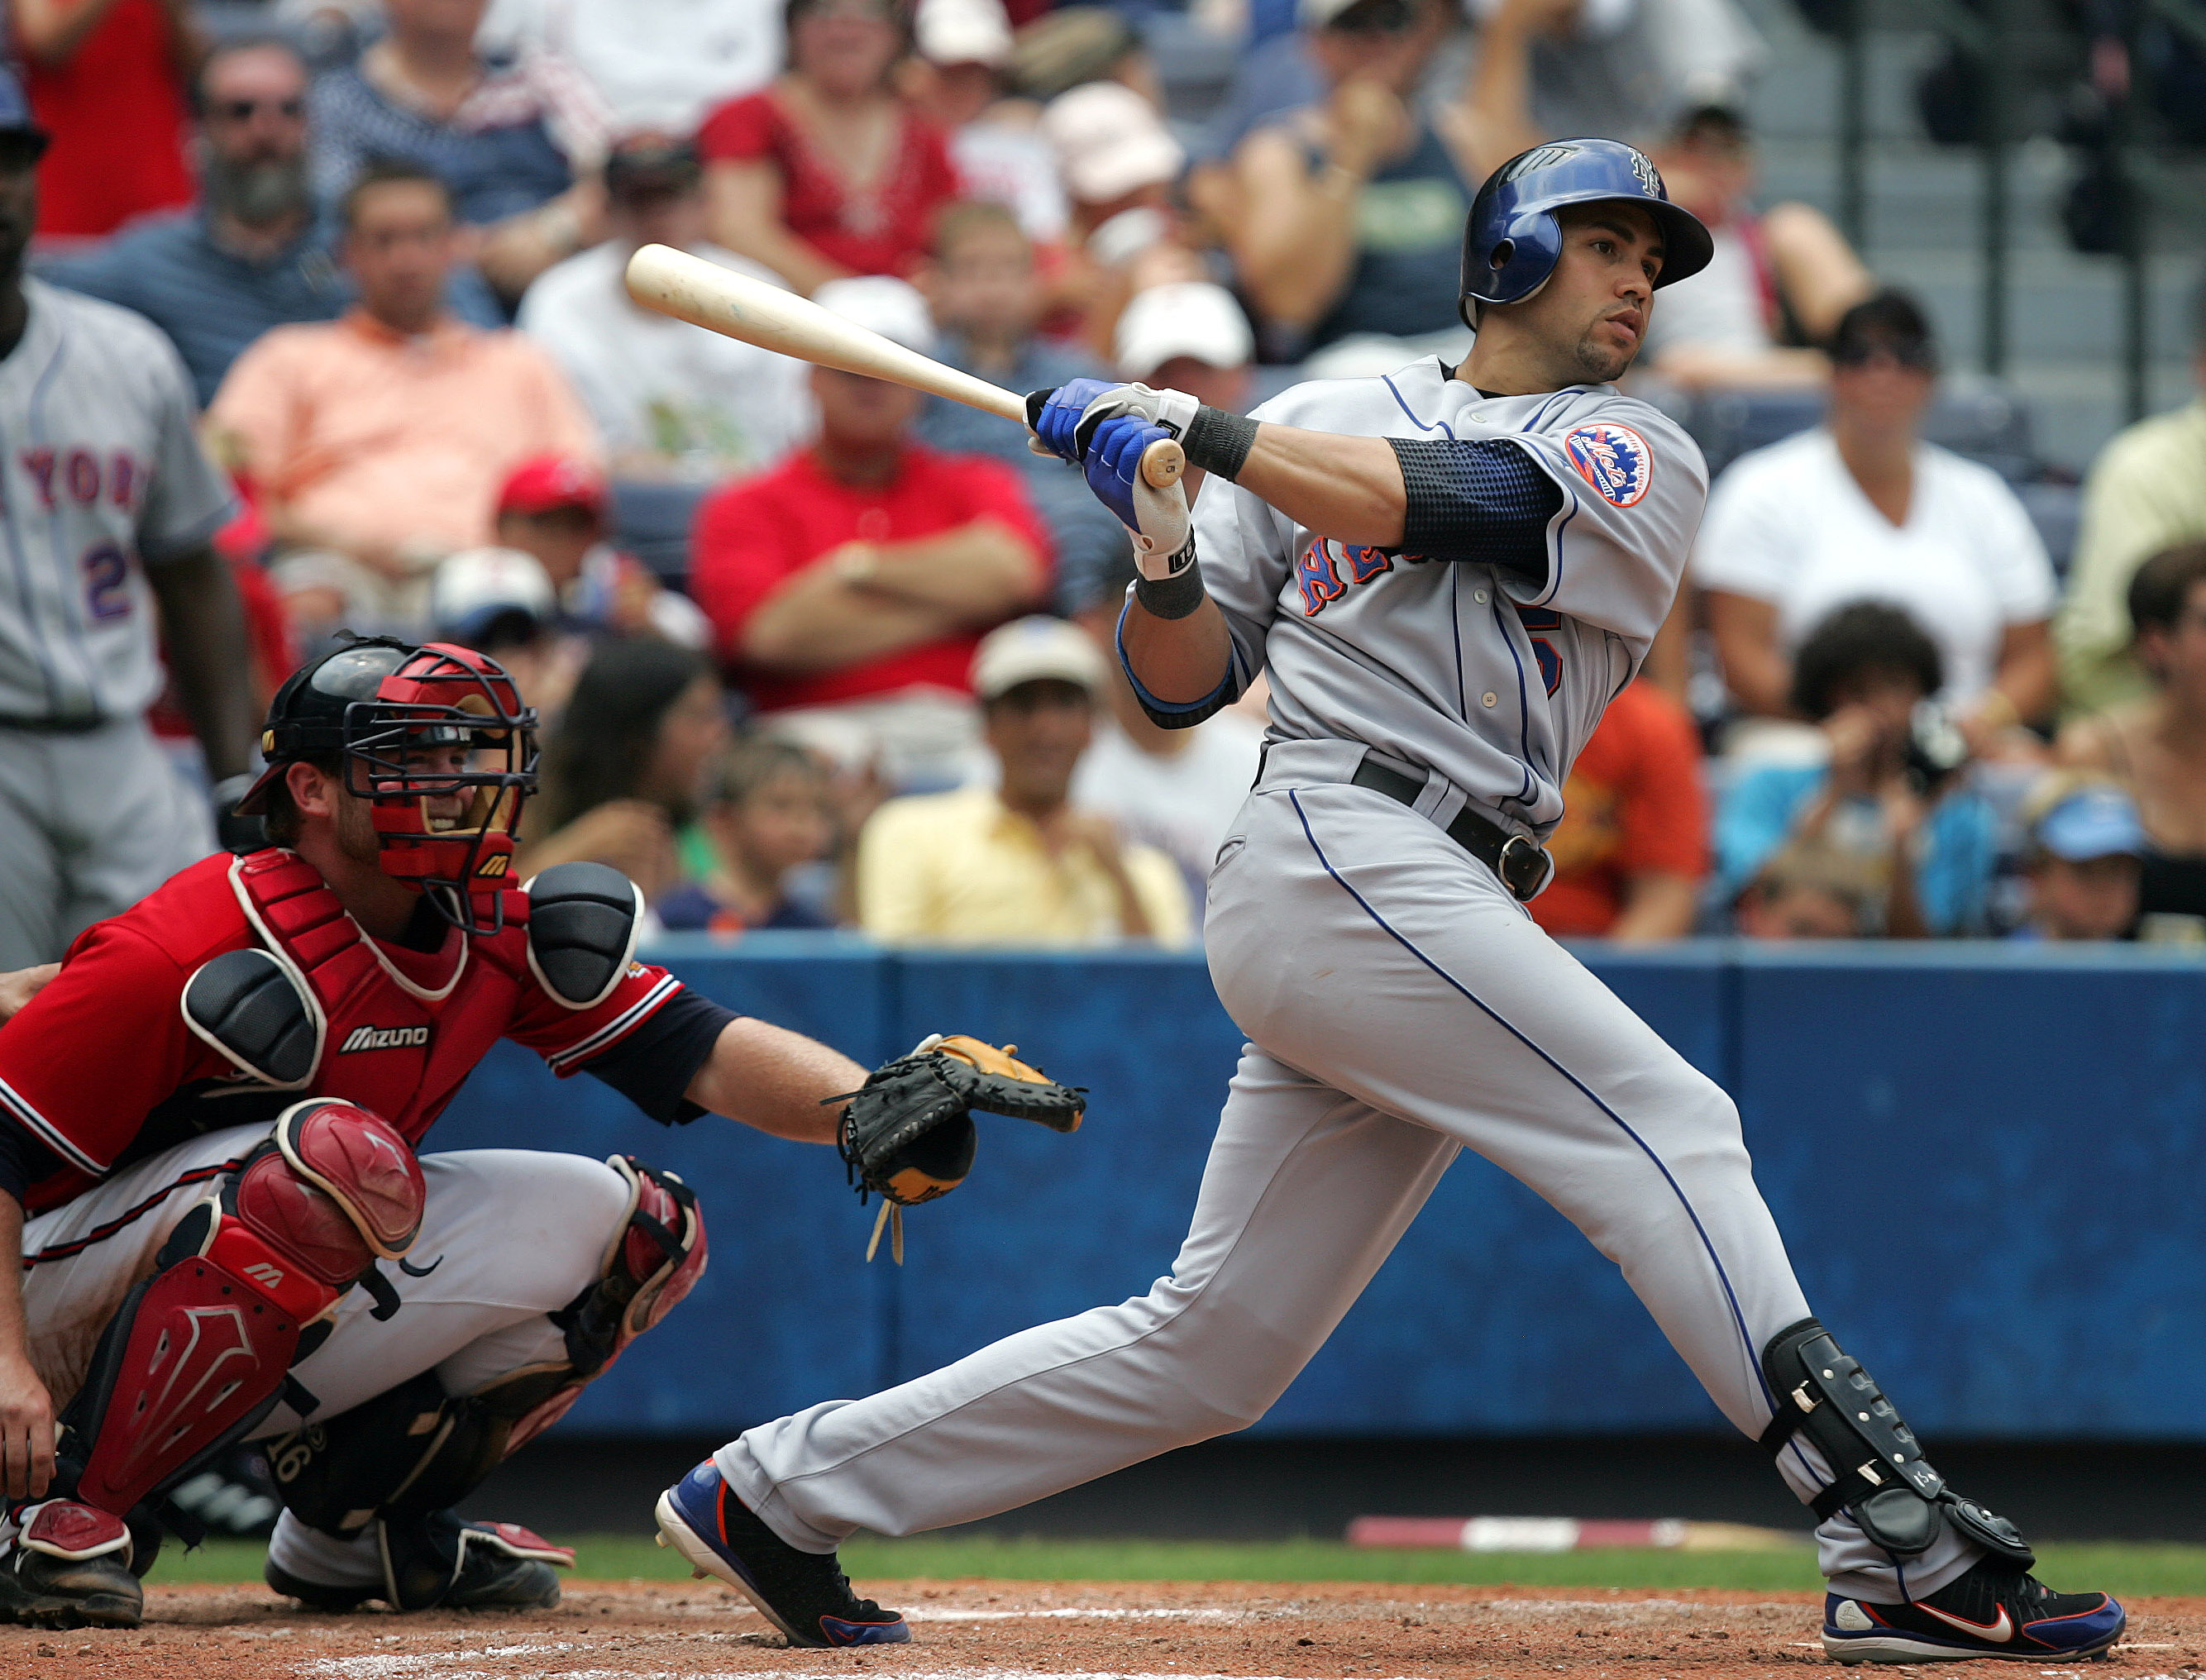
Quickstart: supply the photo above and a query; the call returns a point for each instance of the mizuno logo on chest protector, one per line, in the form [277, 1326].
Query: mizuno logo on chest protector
[384, 1038]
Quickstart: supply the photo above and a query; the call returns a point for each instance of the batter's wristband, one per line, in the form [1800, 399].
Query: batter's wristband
[1219, 441]
[1177, 595]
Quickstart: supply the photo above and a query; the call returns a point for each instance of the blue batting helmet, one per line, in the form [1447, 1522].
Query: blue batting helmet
[1512, 239]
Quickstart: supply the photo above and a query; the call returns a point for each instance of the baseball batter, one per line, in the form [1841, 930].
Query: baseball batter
[1447, 574]
[107, 503]
[207, 1125]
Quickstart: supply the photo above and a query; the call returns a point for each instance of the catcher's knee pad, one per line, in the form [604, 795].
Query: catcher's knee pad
[198, 1351]
[416, 1449]
[1882, 1478]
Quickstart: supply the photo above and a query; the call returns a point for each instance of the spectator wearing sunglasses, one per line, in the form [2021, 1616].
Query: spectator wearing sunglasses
[255, 252]
[1861, 509]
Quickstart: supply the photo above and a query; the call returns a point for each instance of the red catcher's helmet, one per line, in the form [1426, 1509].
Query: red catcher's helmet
[382, 707]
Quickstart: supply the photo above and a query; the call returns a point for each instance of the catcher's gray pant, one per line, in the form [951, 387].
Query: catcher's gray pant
[1402, 1006]
[90, 824]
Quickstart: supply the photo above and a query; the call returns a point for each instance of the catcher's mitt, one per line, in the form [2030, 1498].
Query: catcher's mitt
[907, 1134]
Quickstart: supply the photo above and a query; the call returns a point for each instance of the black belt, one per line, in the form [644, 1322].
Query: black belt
[52, 725]
[1520, 861]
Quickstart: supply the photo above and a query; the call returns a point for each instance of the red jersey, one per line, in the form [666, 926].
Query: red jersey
[1634, 804]
[116, 111]
[885, 229]
[102, 1069]
[754, 535]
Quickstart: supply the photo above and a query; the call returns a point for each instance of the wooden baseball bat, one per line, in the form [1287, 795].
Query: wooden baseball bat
[689, 288]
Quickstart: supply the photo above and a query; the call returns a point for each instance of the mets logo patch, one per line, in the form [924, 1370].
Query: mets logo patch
[1613, 459]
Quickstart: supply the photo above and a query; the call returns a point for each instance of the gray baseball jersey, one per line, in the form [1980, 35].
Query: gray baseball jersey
[1456, 668]
[102, 474]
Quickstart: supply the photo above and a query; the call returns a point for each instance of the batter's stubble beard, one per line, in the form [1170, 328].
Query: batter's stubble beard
[1597, 365]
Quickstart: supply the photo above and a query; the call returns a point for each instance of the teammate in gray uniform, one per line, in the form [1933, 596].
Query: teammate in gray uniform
[1447, 574]
[107, 503]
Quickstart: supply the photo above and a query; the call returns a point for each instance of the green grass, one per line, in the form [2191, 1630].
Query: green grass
[2117, 1568]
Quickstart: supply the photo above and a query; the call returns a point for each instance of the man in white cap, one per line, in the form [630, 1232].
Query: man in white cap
[1019, 864]
[1188, 336]
[849, 587]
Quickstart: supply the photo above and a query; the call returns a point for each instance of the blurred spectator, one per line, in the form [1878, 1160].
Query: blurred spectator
[109, 488]
[517, 142]
[1020, 864]
[849, 587]
[1777, 286]
[659, 64]
[1861, 509]
[1923, 842]
[670, 400]
[554, 510]
[254, 253]
[1354, 203]
[2082, 860]
[499, 602]
[1070, 46]
[1118, 162]
[955, 80]
[1805, 892]
[987, 299]
[1190, 335]
[768, 815]
[106, 81]
[2156, 747]
[827, 173]
[376, 444]
[1176, 790]
[2145, 493]
[626, 767]
[1632, 848]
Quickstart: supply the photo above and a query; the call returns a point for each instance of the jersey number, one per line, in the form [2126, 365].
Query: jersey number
[1537, 620]
[106, 582]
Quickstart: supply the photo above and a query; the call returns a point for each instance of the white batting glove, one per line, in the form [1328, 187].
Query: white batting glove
[1174, 410]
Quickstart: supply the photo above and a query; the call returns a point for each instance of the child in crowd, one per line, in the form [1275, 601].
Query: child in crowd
[2084, 858]
[766, 816]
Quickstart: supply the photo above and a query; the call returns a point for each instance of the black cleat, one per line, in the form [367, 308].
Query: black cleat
[439, 1562]
[70, 1567]
[1994, 1610]
[803, 1594]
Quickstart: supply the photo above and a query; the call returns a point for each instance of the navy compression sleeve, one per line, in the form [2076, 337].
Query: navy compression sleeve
[1484, 500]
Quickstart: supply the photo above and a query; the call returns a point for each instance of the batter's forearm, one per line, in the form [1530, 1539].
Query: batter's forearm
[1179, 661]
[774, 1080]
[1346, 488]
[205, 618]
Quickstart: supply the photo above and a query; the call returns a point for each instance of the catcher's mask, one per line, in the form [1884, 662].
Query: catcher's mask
[416, 727]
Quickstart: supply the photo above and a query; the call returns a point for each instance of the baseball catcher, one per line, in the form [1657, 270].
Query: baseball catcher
[208, 1122]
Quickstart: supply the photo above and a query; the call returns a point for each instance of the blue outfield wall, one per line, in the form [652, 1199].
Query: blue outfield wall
[1987, 1162]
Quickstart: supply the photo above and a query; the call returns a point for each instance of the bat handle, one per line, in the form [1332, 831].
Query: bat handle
[1162, 463]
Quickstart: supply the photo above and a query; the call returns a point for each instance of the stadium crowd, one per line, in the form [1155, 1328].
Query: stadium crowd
[814, 651]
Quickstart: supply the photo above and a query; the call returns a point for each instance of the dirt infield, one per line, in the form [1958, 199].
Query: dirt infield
[1016, 1630]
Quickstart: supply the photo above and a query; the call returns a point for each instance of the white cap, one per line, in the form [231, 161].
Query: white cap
[1188, 318]
[1110, 140]
[473, 588]
[963, 31]
[883, 305]
[1028, 650]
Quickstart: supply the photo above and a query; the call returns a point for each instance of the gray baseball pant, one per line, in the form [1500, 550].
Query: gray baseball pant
[1401, 1006]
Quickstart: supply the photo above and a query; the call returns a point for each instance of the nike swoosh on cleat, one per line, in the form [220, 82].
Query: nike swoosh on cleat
[1995, 1633]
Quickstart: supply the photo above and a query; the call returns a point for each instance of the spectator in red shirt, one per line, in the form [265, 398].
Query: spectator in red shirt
[1632, 848]
[106, 79]
[827, 173]
[849, 587]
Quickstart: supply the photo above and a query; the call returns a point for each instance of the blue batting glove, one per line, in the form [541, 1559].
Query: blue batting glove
[1053, 415]
[1113, 466]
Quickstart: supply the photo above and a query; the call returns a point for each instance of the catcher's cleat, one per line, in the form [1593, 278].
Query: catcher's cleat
[70, 1567]
[803, 1594]
[439, 1563]
[1993, 1611]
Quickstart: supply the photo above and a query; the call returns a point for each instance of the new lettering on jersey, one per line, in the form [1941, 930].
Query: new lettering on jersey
[1494, 682]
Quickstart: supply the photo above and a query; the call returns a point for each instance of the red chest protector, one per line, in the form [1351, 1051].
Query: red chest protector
[394, 1045]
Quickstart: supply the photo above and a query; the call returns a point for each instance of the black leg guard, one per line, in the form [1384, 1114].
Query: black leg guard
[1882, 1477]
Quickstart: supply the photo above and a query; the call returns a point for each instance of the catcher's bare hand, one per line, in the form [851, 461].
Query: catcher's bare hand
[26, 1431]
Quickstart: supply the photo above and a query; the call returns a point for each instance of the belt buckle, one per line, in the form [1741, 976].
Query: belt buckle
[1524, 867]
